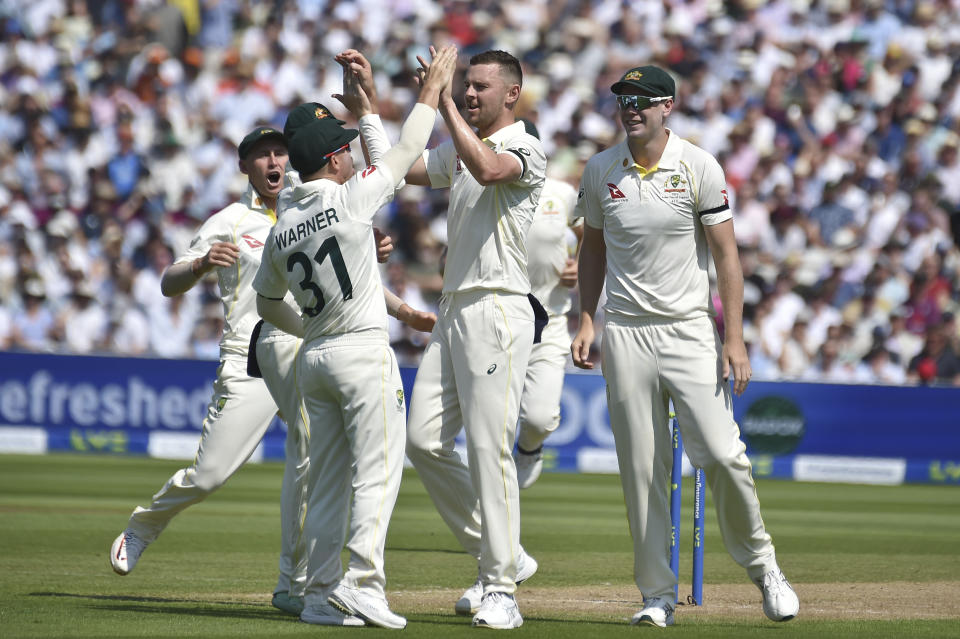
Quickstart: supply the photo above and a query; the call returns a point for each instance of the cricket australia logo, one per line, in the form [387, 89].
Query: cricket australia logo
[399, 398]
[675, 184]
[321, 112]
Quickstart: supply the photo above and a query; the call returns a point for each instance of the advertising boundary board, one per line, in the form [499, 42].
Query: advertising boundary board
[802, 431]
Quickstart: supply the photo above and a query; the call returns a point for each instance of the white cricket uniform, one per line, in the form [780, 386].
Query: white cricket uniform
[472, 371]
[550, 243]
[349, 381]
[660, 344]
[242, 408]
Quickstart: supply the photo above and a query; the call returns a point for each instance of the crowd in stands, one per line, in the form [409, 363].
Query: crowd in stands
[837, 123]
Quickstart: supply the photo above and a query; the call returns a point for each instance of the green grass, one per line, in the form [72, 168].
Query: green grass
[211, 573]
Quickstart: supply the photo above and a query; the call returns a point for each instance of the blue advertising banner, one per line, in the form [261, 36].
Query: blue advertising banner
[813, 432]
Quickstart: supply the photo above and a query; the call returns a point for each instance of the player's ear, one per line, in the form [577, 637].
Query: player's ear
[243, 167]
[513, 95]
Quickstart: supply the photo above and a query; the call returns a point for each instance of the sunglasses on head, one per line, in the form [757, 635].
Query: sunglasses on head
[639, 102]
[334, 152]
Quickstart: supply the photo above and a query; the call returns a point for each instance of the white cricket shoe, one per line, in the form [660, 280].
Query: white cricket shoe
[125, 552]
[529, 466]
[326, 615]
[470, 600]
[498, 610]
[655, 612]
[372, 609]
[780, 602]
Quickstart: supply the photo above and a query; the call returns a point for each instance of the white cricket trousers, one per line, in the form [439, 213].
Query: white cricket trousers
[646, 363]
[277, 355]
[471, 376]
[543, 386]
[238, 415]
[353, 398]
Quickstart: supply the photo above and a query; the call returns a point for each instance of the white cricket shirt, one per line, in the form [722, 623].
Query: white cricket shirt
[487, 226]
[321, 251]
[245, 223]
[550, 242]
[652, 223]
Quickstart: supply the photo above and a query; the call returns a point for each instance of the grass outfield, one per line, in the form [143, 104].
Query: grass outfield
[867, 561]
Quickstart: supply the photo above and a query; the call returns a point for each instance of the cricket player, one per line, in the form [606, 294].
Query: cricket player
[348, 375]
[230, 241]
[243, 406]
[552, 244]
[655, 205]
[472, 372]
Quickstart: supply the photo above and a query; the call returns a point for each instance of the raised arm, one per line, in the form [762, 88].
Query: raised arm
[485, 165]
[734, 358]
[419, 124]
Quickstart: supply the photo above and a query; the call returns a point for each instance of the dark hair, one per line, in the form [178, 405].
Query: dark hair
[509, 65]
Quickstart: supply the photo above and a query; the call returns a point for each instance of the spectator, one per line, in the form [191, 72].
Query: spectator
[936, 362]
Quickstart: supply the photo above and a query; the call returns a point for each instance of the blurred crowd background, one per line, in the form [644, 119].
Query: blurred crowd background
[837, 123]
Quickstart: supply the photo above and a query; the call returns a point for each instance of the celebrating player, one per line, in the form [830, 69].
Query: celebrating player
[472, 371]
[552, 244]
[230, 241]
[347, 372]
[654, 204]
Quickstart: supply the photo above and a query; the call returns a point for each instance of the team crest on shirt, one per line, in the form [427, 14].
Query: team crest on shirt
[675, 184]
[550, 207]
[399, 398]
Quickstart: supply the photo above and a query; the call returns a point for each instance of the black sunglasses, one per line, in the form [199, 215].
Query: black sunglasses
[639, 102]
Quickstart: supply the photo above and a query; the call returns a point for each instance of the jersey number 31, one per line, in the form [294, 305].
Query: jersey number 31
[329, 247]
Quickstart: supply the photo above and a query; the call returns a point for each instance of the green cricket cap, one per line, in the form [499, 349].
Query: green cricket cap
[653, 81]
[258, 134]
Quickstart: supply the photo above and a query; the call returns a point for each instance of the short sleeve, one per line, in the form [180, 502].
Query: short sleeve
[209, 233]
[569, 199]
[713, 205]
[269, 281]
[588, 206]
[533, 160]
[439, 162]
[369, 190]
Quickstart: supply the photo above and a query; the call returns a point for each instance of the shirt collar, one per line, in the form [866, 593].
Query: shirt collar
[252, 200]
[669, 159]
[501, 135]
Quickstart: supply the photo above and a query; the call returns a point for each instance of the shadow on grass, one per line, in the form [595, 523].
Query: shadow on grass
[238, 609]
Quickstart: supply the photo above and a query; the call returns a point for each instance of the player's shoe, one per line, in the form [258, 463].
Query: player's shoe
[290, 605]
[125, 552]
[498, 610]
[470, 600]
[655, 612]
[372, 609]
[526, 566]
[529, 466]
[326, 615]
[780, 601]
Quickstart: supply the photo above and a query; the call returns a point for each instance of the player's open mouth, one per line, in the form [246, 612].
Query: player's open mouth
[274, 178]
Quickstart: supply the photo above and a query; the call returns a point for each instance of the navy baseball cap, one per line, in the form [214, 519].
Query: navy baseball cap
[312, 144]
[653, 81]
[306, 113]
[259, 133]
